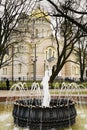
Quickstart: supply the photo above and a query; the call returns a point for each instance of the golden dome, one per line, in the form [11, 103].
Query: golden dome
[38, 13]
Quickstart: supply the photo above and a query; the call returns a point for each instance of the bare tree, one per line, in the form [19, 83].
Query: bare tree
[81, 56]
[70, 35]
[10, 11]
[72, 16]
[77, 10]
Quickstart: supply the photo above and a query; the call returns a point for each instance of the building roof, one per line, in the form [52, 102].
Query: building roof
[38, 13]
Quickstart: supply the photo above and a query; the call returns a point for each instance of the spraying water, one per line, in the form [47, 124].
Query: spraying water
[46, 94]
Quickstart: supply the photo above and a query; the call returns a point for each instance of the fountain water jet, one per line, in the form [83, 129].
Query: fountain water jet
[56, 112]
[46, 97]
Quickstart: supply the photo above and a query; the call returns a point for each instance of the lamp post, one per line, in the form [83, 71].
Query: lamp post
[12, 63]
[35, 59]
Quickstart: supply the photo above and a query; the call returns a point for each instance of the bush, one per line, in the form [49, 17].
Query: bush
[85, 84]
[3, 85]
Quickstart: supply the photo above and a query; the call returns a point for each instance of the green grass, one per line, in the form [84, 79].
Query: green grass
[77, 92]
[56, 85]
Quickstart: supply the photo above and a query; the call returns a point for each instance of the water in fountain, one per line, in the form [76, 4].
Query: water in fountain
[71, 90]
[41, 107]
[35, 89]
[16, 90]
[46, 94]
[77, 93]
[8, 124]
[38, 106]
[40, 110]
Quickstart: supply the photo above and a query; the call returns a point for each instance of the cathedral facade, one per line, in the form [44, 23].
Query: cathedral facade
[35, 53]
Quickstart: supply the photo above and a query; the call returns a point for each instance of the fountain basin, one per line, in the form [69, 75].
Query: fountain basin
[30, 112]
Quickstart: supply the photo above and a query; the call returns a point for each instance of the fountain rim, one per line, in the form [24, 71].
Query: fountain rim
[40, 106]
[27, 114]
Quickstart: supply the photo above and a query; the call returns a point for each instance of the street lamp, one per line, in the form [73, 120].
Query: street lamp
[35, 59]
[12, 63]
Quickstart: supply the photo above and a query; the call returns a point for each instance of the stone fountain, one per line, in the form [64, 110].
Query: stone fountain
[44, 110]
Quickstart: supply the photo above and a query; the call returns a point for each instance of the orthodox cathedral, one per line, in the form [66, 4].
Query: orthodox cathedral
[35, 51]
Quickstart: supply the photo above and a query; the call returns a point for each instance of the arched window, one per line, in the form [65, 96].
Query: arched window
[50, 53]
[53, 54]
[4, 71]
[19, 67]
[36, 32]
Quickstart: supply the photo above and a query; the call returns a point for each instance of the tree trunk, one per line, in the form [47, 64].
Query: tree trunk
[81, 75]
[54, 74]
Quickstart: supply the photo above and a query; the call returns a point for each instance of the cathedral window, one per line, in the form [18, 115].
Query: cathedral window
[53, 53]
[4, 71]
[36, 33]
[19, 68]
[50, 53]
